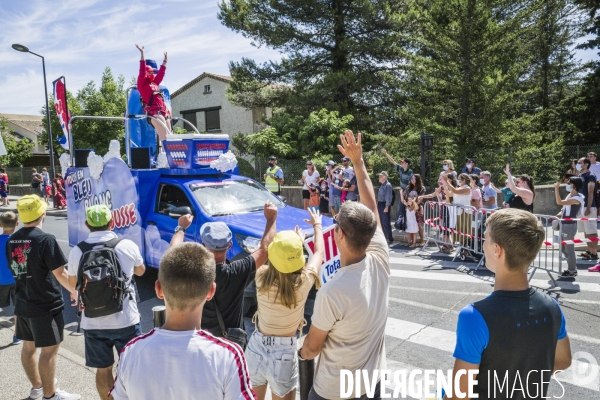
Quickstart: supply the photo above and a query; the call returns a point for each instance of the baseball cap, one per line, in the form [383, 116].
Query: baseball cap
[330, 162]
[470, 159]
[30, 208]
[152, 64]
[285, 252]
[98, 215]
[272, 158]
[384, 173]
[215, 236]
[345, 158]
[406, 160]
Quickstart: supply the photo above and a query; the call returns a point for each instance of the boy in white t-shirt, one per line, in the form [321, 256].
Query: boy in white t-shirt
[179, 360]
[102, 334]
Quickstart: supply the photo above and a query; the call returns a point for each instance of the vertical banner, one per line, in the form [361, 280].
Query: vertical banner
[62, 110]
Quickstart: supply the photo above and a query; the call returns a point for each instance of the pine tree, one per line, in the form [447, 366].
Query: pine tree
[336, 54]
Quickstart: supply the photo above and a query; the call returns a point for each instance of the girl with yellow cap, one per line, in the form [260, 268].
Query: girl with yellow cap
[282, 289]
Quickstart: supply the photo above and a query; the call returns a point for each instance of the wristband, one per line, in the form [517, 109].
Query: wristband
[318, 223]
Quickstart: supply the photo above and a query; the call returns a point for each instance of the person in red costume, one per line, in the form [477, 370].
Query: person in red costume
[154, 105]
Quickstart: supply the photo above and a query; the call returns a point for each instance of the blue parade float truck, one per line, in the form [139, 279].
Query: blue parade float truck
[146, 204]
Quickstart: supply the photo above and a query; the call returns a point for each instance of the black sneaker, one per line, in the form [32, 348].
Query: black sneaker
[568, 274]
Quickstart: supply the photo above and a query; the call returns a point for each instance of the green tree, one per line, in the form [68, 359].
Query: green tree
[17, 151]
[107, 100]
[341, 55]
[295, 137]
[582, 107]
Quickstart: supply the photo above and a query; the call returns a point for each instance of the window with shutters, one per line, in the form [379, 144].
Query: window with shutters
[213, 122]
[191, 117]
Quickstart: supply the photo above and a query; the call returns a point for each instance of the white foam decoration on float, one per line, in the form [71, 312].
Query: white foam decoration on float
[95, 164]
[65, 163]
[114, 151]
[225, 162]
[162, 161]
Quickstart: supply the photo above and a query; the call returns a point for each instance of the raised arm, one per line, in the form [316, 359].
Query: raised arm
[141, 49]
[385, 153]
[260, 256]
[560, 201]
[351, 147]
[161, 72]
[319, 252]
[184, 221]
[525, 194]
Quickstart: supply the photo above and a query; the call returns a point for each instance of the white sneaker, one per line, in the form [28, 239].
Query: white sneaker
[35, 394]
[62, 395]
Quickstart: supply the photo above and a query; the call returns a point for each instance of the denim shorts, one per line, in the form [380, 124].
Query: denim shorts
[99, 344]
[273, 360]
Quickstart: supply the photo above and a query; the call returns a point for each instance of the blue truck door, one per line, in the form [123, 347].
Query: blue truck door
[160, 226]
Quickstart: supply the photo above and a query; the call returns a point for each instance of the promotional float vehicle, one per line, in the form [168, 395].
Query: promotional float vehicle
[201, 179]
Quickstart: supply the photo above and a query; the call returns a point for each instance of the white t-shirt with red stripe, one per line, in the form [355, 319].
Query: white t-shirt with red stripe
[165, 364]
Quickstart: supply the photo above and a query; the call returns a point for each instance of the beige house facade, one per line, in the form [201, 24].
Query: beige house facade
[203, 102]
[27, 126]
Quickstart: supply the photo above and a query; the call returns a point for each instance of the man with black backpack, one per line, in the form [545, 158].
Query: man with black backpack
[110, 316]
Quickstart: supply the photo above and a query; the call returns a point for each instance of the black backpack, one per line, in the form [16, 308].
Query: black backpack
[101, 282]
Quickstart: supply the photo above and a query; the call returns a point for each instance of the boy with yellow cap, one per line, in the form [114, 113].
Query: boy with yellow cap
[38, 265]
[103, 334]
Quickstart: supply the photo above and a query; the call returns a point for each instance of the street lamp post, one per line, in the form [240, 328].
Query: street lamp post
[25, 49]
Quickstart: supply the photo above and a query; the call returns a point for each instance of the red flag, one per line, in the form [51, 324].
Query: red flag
[62, 110]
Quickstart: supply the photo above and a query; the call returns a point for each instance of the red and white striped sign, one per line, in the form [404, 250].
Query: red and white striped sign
[331, 260]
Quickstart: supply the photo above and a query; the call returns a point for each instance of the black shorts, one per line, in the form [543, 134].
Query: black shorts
[305, 194]
[44, 331]
[99, 344]
[7, 295]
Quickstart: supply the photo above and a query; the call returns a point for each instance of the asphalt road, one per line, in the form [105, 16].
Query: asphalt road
[427, 291]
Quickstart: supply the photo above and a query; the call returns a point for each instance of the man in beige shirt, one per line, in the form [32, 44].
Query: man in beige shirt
[348, 322]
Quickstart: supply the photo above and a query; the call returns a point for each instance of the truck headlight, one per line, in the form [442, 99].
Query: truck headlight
[248, 243]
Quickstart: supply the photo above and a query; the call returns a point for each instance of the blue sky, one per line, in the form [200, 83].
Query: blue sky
[79, 38]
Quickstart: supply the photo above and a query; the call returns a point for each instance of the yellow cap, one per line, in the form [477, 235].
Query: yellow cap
[30, 208]
[285, 252]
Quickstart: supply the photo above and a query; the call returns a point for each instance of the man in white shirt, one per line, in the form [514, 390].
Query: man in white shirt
[179, 360]
[347, 171]
[595, 165]
[102, 334]
[350, 312]
[487, 191]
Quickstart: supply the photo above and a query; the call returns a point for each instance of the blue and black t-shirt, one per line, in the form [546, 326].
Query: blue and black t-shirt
[509, 334]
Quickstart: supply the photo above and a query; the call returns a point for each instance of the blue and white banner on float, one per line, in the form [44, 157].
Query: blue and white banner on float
[116, 188]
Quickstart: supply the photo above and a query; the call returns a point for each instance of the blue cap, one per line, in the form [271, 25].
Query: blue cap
[152, 63]
[216, 236]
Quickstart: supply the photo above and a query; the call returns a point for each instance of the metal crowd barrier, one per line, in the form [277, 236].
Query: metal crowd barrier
[452, 226]
[463, 228]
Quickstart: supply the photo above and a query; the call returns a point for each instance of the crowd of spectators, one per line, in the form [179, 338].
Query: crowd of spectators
[201, 347]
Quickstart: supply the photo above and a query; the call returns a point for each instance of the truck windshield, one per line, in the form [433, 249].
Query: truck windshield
[232, 197]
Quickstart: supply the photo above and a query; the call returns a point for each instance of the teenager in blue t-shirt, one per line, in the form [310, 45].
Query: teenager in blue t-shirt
[8, 222]
[516, 329]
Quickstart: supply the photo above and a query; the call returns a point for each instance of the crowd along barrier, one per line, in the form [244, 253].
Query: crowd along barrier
[463, 228]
